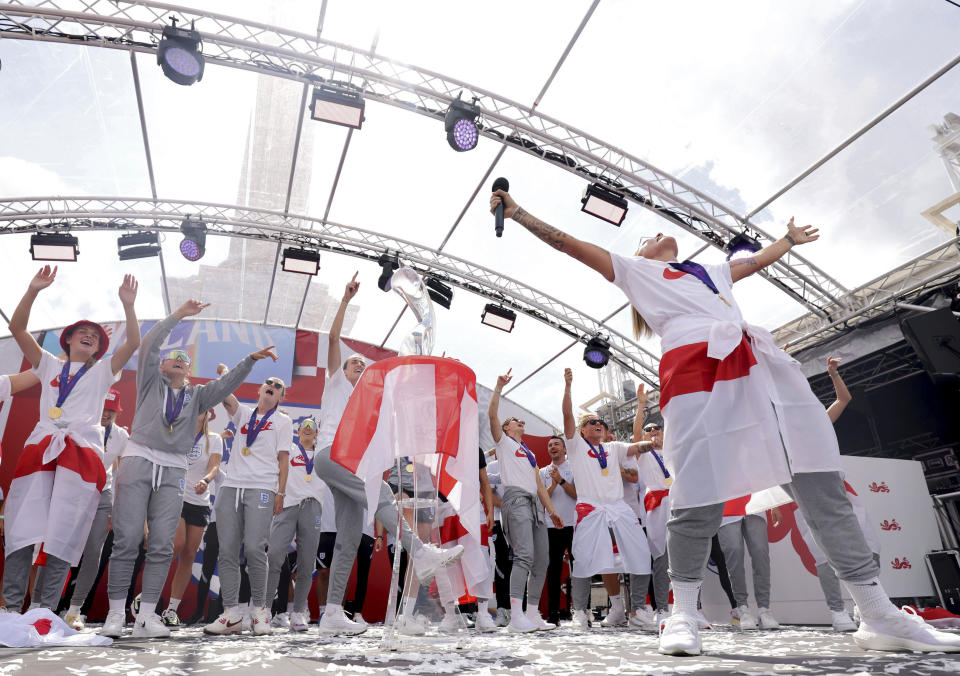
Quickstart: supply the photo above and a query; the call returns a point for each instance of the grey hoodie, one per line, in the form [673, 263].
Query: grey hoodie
[150, 427]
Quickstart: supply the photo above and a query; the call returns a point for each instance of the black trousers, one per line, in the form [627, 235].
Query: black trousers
[504, 566]
[561, 540]
[364, 559]
[716, 553]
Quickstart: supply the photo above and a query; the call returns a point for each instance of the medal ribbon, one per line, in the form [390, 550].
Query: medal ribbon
[700, 273]
[67, 383]
[307, 462]
[666, 474]
[106, 435]
[173, 410]
[253, 429]
[600, 455]
[197, 440]
[530, 456]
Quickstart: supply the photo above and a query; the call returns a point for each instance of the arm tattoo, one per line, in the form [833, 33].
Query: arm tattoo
[548, 234]
[752, 262]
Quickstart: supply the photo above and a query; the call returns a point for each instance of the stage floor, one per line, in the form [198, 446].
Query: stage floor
[794, 650]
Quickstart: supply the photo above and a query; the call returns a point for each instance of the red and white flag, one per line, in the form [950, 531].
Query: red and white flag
[415, 406]
[40, 627]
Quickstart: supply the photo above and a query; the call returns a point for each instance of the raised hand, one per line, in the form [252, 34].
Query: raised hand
[43, 278]
[504, 379]
[221, 369]
[802, 234]
[351, 289]
[509, 206]
[642, 393]
[128, 290]
[190, 308]
[264, 353]
[833, 365]
[568, 376]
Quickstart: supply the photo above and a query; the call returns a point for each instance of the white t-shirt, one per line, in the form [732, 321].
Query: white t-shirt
[197, 460]
[82, 409]
[515, 467]
[260, 468]
[113, 448]
[493, 474]
[298, 488]
[4, 389]
[336, 393]
[328, 515]
[633, 493]
[592, 486]
[565, 505]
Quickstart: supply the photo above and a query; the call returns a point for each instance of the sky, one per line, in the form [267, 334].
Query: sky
[735, 99]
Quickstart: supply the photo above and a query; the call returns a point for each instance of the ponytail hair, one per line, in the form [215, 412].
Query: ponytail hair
[641, 329]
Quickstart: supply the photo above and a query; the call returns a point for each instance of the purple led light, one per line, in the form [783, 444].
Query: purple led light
[182, 61]
[465, 134]
[190, 250]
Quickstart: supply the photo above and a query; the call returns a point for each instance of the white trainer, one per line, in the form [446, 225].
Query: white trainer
[767, 620]
[149, 625]
[280, 621]
[299, 621]
[904, 630]
[533, 614]
[261, 621]
[114, 624]
[680, 635]
[580, 620]
[519, 622]
[644, 620]
[358, 618]
[842, 621]
[429, 559]
[484, 623]
[615, 618]
[702, 621]
[229, 622]
[335, 623]
[75, 620]
[449, 624]
[503, 617]
[743, 619]
[247, 619]
[412, 625]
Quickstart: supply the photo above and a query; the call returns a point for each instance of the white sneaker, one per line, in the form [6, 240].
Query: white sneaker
[503, 617]
[335, 623]
[280, 621]
[680, 635]
[261, 621]
[743, 619]
[580, 619]
[614, 618]
[149, 625]
[644, 620]
[767, 620]
[856, 614]
[841, 621]
[904, 630]
[358, 618]
[170, 619]
[229, 622]
[533, 614]
[299, 621]
[411, 625]
[114, 624]
[702, 622]
[484, 623]
[429, 559]
[75, 620]
[247, 619]
[449, 624]
[519, 622]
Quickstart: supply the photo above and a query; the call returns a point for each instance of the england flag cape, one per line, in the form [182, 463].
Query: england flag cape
[40, 627]
[416, 406]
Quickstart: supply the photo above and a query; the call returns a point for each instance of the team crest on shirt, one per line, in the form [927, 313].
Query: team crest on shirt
[183, 484]
[264, 498]
[298, 461]
[186, 398]
[194, 453]
[521, 454]
[318, 520]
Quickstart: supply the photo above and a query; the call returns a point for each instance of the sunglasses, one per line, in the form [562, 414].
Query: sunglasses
[179, 354]
[308, 424]
[273, 382]
[594, 421]
[651, 428]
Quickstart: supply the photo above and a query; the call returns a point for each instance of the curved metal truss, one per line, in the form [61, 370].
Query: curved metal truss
[309, 59]
[119, 215]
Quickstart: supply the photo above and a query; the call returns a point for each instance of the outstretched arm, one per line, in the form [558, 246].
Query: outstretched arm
[589, 254]
[638, 419]
[21, 316]
[22, 381]
[221, 389]
[843, 394]
[333, 348]
[569, 422]
[796, 235]
[493, 413]
[128, 294]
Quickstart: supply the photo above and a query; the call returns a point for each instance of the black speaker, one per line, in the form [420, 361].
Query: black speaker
[935, 336]
[944, 567]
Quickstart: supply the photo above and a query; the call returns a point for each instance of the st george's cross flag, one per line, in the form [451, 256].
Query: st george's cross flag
[415, 406]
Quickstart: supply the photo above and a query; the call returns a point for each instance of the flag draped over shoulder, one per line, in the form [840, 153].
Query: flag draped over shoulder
[415, 406]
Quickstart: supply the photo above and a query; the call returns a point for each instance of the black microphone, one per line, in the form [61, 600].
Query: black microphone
[504, 185]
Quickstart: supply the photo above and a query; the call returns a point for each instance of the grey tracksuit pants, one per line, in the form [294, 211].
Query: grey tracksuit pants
[303, 521]
[823, 501]
[244, 516]
[831, 585]
[527, 535]
[752, 531]
[90, 562]
[46, 589]
[144, 492]
[350, 499]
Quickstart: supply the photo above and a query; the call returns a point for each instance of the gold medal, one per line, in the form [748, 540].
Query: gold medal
[308, 477]
[409, 468]
[55, 412]
[169, 429]
[245, 450]
[724, 300]
[668, 481]
[605, 471]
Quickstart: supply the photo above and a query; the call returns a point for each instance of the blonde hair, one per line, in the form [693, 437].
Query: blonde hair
[206, 432]
[641, 329]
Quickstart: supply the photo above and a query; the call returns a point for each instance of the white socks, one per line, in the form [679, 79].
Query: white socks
[616, 603]
[290, 608]
[483, 606]
[870, 597]
[117, 604]
[174, 604]
[76, 609]
[685, 595]
[516, 606]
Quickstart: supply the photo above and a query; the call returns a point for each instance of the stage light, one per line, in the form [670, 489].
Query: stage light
[194, 243]
[389, 262]
[138, 245]
[304, 261]
[460, 124]
[337, 106]
[604, 204]
[440, 293]
[597, 352]
[53, 247]
[179, 56]
[741, 242]
[498, 317]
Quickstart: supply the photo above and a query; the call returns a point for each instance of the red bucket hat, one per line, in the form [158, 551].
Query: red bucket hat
[112, 401]
[104, 339]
